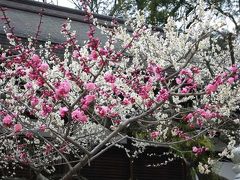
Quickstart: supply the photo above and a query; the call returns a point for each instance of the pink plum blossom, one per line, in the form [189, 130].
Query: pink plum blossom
[210, 88]
[189, 81]
[230, 80]
[63, 89]
[162, 96]
[184, 90]
[90, 86]
[17, 128]
[103, 111]
[40, 81]
[189, 117]
[10, 36]
[109, 77]
[29, 135]
[89, 98]
[23, 157]
[34, 101]
[103, 52]
[199, 150]
[43, 67]
[20, 71]
[154, 134]
[126, 101]
[93, 43]
[233, 69]
[94, 55]
[75, 54]
[28, 85]
[79, 116]
[42, 128]
[63, 111]
[158, 71]
[194, 149]
[46, 109]
[149, 103]
[206, 114]
[36, 61]
[218, 80]
[3, 56]
[237, 77]
[144, 93]
[195, 70]
[186, 72]
[7, 120]
[178, 81]
[48, 149]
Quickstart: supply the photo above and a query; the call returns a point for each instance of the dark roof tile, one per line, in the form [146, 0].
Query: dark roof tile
[25, 18]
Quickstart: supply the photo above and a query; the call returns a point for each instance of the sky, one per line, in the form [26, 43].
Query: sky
[66, 3]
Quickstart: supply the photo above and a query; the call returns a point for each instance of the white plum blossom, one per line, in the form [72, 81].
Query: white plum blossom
[179, 88]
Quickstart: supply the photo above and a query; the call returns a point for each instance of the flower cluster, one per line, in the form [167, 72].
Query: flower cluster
[172, 88]
[199, 150]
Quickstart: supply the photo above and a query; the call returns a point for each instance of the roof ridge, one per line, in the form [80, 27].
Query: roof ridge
[51, 10]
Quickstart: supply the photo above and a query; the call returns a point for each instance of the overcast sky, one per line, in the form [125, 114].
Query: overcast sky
[66, 3]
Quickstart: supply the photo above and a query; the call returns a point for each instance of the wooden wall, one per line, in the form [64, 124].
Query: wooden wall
[114, 164]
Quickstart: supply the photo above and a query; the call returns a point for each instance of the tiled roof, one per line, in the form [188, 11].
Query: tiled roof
[24, 16]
